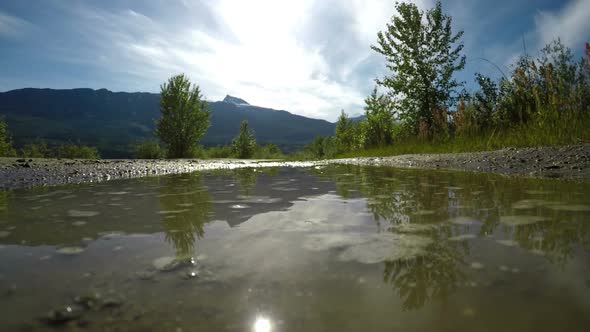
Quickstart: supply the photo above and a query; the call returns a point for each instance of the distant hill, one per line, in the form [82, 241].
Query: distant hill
[358, 118]
[115, 121]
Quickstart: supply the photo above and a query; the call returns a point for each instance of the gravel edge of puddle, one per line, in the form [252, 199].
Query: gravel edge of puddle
[567, 162]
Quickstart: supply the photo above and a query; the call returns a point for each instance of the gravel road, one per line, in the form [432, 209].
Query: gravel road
[571, 162]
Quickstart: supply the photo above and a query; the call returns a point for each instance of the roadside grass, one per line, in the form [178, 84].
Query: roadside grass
[546, 133]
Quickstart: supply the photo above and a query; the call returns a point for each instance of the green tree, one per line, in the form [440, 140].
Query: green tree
[420, 53]
[185, 116]
[316, 148]
[244, 145]
[6, 149]
[345, 133]
[379, 128]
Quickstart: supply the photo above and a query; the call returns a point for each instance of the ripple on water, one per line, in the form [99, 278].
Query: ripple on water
[571, 207]
[173, 211]
[462, 221]
[70, 250]
[370, 248]
[462, 237]
[424, 213]
[82, 214]
[520, 220]
[528, 204]
[391, 247]
[508, 243]
[413, 228]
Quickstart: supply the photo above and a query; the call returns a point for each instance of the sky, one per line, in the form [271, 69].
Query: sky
[310, 57]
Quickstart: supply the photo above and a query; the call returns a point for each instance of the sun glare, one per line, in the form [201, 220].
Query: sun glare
[262, 324]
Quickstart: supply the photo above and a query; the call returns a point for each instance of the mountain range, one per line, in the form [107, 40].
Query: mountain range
[115, 121]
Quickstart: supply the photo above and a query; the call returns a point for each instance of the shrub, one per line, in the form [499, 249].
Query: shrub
[6, 149]
[149, 150]
[73, 151]
[36, 150]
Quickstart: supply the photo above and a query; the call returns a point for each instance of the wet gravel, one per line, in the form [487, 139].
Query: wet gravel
[24, 173]
[570, 162]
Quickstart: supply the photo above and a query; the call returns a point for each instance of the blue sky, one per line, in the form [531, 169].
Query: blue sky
[310, 57]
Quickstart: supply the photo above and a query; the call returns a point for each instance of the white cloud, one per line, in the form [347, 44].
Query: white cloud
[251, 49]
[571, 24]
[13, 27]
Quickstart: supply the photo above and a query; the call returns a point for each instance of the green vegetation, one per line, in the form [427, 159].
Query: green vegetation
[76, 151]
[40, 149]
[149, 149]
[36, 150]
[6, 149]
[422, 56]
[244, 145]
[185, 117]
[419, 109]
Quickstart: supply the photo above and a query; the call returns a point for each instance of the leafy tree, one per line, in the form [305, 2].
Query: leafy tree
[418, 48]
[316, 148]
[6, 149]
[185, 117]
[244, 145]
[380, 120]
[345, 133]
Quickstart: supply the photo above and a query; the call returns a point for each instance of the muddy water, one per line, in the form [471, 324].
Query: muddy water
[340, 248]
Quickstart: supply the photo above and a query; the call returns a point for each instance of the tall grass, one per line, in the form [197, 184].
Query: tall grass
[564, 131]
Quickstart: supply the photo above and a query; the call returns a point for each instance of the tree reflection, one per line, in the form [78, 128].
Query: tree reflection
[186, 207]
[432, 276]
[426, 198]
[3, 201]
[246, 178]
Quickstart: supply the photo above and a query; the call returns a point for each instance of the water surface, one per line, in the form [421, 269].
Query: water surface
[340, 248]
